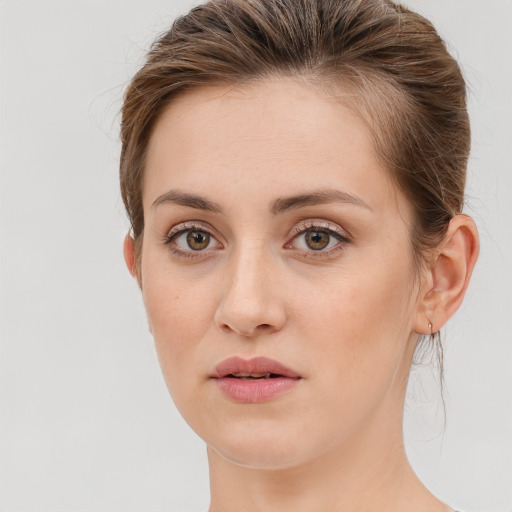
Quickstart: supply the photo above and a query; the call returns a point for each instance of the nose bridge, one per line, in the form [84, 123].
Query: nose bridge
[249, 261]
[251, 300]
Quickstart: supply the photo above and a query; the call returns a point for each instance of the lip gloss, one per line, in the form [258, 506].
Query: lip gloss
[255, 380]
[255, 391]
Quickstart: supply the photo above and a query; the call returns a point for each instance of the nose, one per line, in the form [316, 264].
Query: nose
[252, 303]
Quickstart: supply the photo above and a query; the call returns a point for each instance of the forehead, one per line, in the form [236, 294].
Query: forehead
[261, 138]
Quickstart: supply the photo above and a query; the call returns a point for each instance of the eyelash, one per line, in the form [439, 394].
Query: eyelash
[181, 229]
[301, 229]
[321, 227]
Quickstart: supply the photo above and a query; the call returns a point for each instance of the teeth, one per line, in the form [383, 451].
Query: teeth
[251, 375]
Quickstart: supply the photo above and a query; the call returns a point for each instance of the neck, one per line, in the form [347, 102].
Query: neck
[365, 473]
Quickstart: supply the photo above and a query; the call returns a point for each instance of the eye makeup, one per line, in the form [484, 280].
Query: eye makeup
[318, 239]
[192, 239]
[310, 238]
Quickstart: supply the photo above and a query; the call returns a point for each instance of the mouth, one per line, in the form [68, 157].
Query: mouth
[253, 376]
[255, 380]
[256, 368]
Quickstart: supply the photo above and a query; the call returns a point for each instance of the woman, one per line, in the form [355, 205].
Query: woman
[294, 173]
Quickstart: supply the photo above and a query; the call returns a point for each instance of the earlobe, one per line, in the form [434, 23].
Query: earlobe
[129, 257]
[449, 274]
[128, 253]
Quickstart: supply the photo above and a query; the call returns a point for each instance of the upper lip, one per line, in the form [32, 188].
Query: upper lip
[256, 365]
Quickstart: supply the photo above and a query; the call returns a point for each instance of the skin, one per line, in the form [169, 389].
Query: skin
[346, 318]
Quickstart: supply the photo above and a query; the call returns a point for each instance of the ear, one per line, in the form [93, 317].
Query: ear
[129, 258]
[448, 276]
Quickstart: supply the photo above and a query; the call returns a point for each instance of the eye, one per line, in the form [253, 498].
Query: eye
[317, 240]
[195, 240]
[318, 237]
[186, 239]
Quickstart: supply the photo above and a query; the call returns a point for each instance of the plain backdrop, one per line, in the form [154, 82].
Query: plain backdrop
[86, 423]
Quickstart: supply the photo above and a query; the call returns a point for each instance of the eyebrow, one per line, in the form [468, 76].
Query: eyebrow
[315, 198]
[281, 205]
[184, 199]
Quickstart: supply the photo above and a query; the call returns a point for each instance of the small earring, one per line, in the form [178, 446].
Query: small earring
[430, 327]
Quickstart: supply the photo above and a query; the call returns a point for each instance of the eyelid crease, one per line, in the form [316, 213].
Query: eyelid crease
[327, 226]
[297, 229]
[189, 225]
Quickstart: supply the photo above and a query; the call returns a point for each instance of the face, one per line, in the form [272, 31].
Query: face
[272, 231]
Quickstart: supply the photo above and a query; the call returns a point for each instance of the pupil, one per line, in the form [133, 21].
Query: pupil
[317, 240]
[198, 240]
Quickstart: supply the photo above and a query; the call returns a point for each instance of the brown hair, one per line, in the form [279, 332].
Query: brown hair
[391, 62]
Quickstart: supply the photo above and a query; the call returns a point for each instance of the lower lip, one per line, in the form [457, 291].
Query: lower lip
[255, 391]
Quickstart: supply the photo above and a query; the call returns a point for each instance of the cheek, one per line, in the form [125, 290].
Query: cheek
[360, 300]
[363, 314]
[359, 325]
[179, 314]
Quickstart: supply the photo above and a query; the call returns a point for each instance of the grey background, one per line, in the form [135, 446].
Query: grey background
[86, 423]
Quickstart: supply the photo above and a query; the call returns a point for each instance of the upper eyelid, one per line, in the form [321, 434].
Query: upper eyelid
[183, 227]
[298, 229]
[308, 224]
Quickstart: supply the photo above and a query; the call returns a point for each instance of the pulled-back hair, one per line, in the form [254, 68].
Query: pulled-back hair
[383, 60]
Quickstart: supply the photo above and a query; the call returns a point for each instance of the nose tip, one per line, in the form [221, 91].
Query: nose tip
[252, 304]
[247, 329]
[250, 319]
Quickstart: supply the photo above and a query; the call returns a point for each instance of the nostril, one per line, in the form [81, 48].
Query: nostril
[225, 327]
[248, 332]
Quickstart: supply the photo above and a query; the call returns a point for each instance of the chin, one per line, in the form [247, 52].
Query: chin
[262, 458]
[257, 446]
